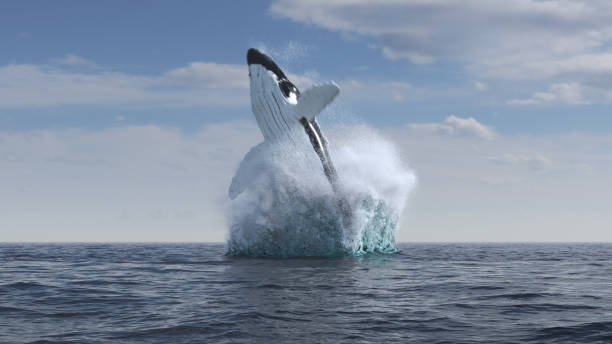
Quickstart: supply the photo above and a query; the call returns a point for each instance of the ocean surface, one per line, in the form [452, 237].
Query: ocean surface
[194, 293]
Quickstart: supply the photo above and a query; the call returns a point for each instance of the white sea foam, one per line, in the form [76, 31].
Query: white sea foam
[284, 205]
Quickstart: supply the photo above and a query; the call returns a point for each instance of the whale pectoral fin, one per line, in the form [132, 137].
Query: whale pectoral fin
[313, 100]
[248, 170]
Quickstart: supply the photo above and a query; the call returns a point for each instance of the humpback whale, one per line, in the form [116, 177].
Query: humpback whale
[283, 113]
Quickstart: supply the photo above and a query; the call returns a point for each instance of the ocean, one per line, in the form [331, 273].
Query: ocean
[195, 293]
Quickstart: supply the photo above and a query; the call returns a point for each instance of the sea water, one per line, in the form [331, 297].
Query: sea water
[195, 293]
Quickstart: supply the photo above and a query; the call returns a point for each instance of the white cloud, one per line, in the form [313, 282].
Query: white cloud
[138, 183]
[536, 162]
[74, 60]
[210, 75]
[479, 86]
[561, 41]
[377, 91]
[133, 183]
[198, 84]
[457, 126]
[414, 57]
[547, 188]
[485, 32]
[561, 93]
[588, 64]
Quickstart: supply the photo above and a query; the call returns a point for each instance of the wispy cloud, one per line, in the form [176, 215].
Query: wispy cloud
[209, 75]
[567, 33]
[479, 86]
[457, 126]
[73, 80]
[536, 161]
[560, 41]
[377, 91]
[561, 93]
[74, 60]
[198, 84]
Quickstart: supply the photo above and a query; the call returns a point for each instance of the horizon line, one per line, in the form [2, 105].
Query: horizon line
[224, 242]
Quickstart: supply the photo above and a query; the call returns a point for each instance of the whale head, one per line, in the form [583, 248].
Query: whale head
[273, 96]
[263, 70]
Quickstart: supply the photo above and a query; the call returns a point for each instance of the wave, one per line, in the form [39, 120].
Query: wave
[287, 207]
[593, 332]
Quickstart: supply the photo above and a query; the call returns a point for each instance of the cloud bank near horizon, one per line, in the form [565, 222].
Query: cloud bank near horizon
[155, 183]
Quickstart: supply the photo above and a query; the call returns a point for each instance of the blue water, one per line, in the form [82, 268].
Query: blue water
[194, 293]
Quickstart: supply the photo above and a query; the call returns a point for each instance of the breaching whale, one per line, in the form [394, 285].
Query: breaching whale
[283, 113]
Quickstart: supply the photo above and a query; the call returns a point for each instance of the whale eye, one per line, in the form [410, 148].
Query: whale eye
[287, 88]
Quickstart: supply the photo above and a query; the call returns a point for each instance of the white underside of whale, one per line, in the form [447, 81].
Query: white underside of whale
[279, 118]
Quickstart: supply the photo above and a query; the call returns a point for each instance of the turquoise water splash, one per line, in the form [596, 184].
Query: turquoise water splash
[287, 207]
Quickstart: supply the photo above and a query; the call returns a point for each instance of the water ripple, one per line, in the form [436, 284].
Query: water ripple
[194, 293]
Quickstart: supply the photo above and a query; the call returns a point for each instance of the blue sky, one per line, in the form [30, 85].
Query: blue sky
[149, 39]
[520, 91]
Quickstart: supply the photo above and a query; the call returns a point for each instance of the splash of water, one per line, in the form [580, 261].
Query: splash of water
[286, 206]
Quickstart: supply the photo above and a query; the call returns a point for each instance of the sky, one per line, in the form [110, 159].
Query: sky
[125, 121]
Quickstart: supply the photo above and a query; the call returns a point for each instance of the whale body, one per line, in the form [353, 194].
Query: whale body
[283, 114]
